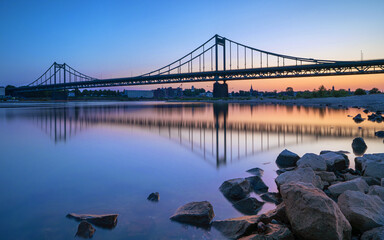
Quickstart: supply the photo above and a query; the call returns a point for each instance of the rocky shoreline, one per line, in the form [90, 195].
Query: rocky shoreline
[319, 197]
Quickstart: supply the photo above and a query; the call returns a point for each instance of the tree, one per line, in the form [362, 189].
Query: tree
[289, 91]
[374, 91]
[322, 91]
[360, 91]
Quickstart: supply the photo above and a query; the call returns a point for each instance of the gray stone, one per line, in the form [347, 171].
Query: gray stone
[372, 181]
[348, 176]
[363, 211]
[358, 118]
[326, 176]
[104, 221]
[379, 134]
[283, 170]
[382, 182]
[236, 189]
[85, 230]
[372, 165]
[272, 232]
[312, 214]
[314, 161]
[278, 214]
[357, 184]
[272, 197]
[154, 197]
[196, 213]
[287, 159]
[335, 161]
[305, 175]
[373, 234]
[376, 190]
[359, 147]
[248, 206]
[256, 171]
[257, 184]
[234, 228]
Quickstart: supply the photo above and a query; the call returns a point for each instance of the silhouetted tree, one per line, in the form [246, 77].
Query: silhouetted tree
[360, 91]
[374, 91]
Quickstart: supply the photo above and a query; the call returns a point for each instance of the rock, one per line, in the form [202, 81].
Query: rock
[272, 197]
[357, 184]
[335, 161]
[371, 165]
[236, 189]
[154, 197]
[256, 171]
[278, 214]
[248, 206]
[379, 134]
[272, 232]
[312, 160]
[359, 147]
[376, 190]
[372, 181]
[312, 214]
[283, 170]
[195, 213]
[363, 211]
[257, 184]
[348, 176]
[382, 182]
[373, 234]
[358, 118]
[85, 230]
[366, 111]
[235, 228]
[287, 159]
[104, 221]
[326, 176]
[305, 175]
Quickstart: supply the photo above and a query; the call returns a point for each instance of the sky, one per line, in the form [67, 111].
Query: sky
[108, 39]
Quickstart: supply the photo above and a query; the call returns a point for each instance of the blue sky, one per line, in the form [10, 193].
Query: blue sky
[119, 38]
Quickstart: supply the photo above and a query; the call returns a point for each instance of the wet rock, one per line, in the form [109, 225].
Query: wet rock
[287, 159]
[376, 190]
[379, 134]
[248, 206]
[312, 214]
[283, 170]
[359, 147]
[305, 175]
[335, 161]
[371, 165]
[272, 197]
[358, 118]
[235, 228]
[154, 197]
[363, 211]
[357, 184]
[278, 214]
[257, 184]
[85, 230]
[272, 232]
[373, 234]
[314, 161]
[195, 213]
[326, 176]
[256, 171]
[104, 221]
[236, 189]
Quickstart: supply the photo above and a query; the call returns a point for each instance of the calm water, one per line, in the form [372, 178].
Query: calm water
[108, 157]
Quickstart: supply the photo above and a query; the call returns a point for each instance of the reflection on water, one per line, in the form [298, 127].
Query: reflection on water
[99, 158]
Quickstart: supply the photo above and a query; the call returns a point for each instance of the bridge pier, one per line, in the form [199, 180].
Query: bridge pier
[220, 90]
[59, 95]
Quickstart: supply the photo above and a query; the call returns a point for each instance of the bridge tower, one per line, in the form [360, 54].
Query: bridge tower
[220, 90]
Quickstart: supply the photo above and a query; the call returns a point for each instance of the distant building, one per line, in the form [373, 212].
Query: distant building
[2, 92]
[168, 92]
[138, 93]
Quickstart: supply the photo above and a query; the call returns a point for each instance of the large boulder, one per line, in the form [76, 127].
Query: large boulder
[272, 197]
[379, 134]
[85, 230]
[305, 175]
[248, 206]
[287, 159]
[363, 211]
[256, 171]
[376, 190]
[312, 214]
[154, 197]
[104, 221]
[357, 184]
[257, 184]
[195, 213]
[373, 234]
[314, 161]
[234, 228]
[335, 161]
[236, 189]
[278, 214]
[371, 165]
[359, 147]
[272, 232]
[326, 176]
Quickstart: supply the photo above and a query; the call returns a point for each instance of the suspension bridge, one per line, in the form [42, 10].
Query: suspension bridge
[217, 60]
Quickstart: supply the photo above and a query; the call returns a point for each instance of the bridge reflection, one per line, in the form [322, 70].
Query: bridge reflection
[214, 138]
